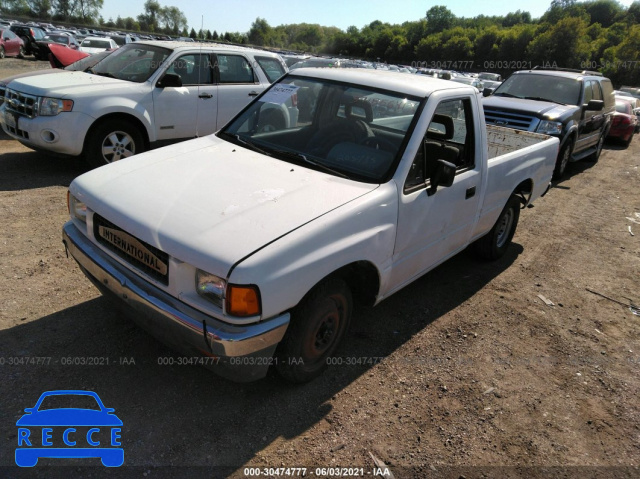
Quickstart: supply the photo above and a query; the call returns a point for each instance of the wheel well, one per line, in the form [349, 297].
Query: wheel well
[118, 116]
[523, 191]
[363, 280]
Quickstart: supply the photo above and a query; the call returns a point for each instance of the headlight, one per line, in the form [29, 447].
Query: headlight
[77, 209]
[550, 127]
[210, 287]
[53, 106]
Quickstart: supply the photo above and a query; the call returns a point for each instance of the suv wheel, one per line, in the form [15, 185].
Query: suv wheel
[596, 155]
[111, 141]
[563, 159]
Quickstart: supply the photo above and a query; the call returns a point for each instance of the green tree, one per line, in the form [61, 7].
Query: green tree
[260, 32]
[604, 12]
[439, 18]
[564, 44]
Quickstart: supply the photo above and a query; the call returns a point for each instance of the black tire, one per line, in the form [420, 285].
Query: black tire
[317, 326]
[564, 156]
[111, 141]
[271, 121]
[21, 52]
[495, 243]
[596, 155]
[1, 52]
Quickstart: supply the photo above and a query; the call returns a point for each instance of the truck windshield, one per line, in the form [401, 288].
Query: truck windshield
[344, 129]
[556, 89]
[132, 62]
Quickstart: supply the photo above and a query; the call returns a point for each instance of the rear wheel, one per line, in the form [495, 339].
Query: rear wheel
[495, 243]
[596, 155]
[318, 324]
[1, 52]
[113, 140]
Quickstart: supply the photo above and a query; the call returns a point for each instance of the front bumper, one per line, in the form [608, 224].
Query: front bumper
[239, 352]
[63, 134]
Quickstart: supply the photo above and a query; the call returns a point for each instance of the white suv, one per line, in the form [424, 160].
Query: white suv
[143, 95]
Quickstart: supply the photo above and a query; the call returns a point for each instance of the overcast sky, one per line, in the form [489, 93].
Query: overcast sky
[237, 16]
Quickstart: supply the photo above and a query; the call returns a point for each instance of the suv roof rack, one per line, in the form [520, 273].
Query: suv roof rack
[571, 70]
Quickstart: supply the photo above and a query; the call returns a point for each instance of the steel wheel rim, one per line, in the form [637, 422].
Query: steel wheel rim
[118, 145]
[504, 228]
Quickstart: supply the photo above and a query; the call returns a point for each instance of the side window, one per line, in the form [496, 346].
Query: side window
[588, 92]
[597, 93]
[234, 69]
[271, 67]
[449, 137]
[193, 68]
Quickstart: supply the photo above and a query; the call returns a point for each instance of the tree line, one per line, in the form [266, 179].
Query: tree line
[596, 34]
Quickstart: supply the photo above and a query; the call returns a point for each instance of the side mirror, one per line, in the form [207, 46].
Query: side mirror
[488, 91]
[443, 175]
[594, 105]
[169, 80]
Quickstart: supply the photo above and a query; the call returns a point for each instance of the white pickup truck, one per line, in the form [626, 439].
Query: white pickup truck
[247, 248]
[143, 95]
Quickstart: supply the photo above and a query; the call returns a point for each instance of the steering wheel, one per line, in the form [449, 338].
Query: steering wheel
[379, 144]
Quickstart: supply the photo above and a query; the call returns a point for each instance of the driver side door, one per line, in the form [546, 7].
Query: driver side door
[191, 109]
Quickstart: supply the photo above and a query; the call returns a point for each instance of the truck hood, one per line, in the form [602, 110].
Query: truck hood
[65, 84]
[209, 202]
[540, 109]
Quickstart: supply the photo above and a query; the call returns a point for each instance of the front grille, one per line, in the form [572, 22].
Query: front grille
[516, 121]
[20, 103]
[131, 257]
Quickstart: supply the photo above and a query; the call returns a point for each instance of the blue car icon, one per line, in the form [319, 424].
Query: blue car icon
[69, 432]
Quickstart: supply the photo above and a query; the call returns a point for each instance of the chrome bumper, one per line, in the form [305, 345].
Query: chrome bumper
[242, 352]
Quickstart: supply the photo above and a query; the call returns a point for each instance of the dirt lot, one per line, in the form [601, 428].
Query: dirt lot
[477, 377]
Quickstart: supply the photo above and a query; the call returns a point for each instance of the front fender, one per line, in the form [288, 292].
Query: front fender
[361, 230]
[141, 109]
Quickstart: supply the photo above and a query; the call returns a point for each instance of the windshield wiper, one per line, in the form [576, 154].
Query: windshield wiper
[299, 156]
[539, 98]
[506, 94]
[102, 74]
[249, 145]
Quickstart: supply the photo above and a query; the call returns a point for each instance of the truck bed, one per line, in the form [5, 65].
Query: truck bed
[503, 140]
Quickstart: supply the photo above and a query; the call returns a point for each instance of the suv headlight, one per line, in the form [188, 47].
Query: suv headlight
[53, 106]
[550, 127]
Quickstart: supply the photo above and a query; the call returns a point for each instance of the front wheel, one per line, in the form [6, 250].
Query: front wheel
[318, 324]
[1, 52]
[563, 160]
[494, 244]
[113, 140]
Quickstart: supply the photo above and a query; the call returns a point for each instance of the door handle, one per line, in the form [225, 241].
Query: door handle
[205, 95]
[253, 93]
[470, 193]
